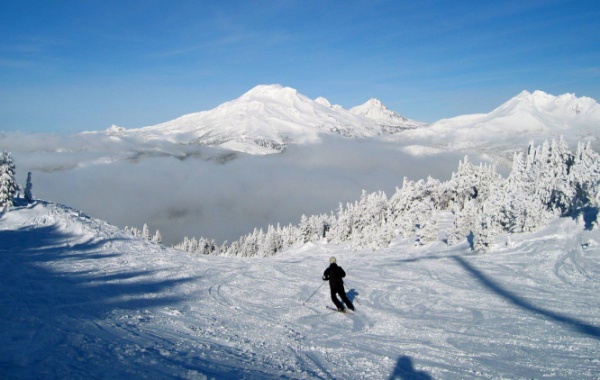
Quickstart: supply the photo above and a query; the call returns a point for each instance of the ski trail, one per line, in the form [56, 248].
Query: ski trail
[79, 306]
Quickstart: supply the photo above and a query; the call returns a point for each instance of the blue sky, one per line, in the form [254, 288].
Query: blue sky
[68, 66]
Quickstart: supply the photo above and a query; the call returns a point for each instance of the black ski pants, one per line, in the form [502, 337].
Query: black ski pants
[337, 291]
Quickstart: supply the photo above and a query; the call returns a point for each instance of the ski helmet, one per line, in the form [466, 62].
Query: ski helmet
[332, 260]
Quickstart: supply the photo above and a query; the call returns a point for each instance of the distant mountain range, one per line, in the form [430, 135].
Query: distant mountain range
[268, 118]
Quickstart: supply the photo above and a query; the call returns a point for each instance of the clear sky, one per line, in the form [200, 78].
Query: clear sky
[68, 66]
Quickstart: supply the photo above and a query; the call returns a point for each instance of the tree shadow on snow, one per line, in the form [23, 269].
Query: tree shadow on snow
[45, 311]
[26, 252]
[57, 323]
[572, 323]
[405, 370]
[589, 215]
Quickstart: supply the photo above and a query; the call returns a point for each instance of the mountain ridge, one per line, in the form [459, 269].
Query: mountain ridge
[269, 117]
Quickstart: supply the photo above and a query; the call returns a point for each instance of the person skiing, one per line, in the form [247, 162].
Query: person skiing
[334, 274]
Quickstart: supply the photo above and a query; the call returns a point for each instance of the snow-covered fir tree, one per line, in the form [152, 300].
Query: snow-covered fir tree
[8, 184]
[146, 232]
[28, 187]
[545, 182]
[157, 238]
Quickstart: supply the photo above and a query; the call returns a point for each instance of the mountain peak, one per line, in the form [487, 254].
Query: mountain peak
[323, 101]
[374, 109]
[270, 91]
[375, 102]
[541, 102]
[528, 115]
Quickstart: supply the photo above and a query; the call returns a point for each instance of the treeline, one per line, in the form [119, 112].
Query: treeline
[545, 182]
[145, 233]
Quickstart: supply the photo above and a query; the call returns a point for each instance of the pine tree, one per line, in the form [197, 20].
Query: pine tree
[272, 243]
[8, 185]
[146, 232]
[157, 238]
[305, 229]
[28, 187]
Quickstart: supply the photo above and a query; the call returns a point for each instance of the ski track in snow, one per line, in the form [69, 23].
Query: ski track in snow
[81, 299]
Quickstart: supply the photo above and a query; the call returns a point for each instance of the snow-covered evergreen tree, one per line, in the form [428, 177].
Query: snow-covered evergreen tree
[8, 184]
[146, 232]
[428, 230]
[464, 221]
[28, 187]
[305, 229]
[483, 232]
[545, 182]
[585, 175]
[273, 242]
[157, 238]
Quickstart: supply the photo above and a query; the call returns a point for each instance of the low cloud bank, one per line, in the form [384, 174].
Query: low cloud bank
[198, 191]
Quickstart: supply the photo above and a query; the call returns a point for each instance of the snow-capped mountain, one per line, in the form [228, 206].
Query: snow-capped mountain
[375, 110]
[269, 117]
[528, 116]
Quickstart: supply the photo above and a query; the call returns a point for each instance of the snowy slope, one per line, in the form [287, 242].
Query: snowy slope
[528, 116]
[266, 119]
[81, 299]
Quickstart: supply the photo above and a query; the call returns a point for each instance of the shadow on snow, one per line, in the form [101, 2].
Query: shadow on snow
[52, 322]
[572, 323]
[405, 370]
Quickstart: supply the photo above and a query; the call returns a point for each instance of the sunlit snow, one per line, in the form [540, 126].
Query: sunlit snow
[82, 299]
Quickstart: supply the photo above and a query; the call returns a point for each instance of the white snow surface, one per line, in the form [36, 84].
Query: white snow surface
[81, 299]
[268, 117]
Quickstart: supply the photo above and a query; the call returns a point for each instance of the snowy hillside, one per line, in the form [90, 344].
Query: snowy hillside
[82, 299]
[268, 118]
[528, 116]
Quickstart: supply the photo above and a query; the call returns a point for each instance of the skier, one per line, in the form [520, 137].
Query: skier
[335, 274]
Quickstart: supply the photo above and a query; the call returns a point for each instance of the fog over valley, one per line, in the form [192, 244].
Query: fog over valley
[214, 193]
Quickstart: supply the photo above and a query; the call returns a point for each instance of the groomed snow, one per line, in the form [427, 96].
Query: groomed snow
[83, 300]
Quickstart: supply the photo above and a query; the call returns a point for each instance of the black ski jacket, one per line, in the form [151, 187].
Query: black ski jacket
[334, 274]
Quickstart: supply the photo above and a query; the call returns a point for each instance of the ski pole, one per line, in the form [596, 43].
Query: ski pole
[315, 292]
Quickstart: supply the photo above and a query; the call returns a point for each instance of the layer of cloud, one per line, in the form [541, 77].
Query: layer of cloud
[197, 191]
